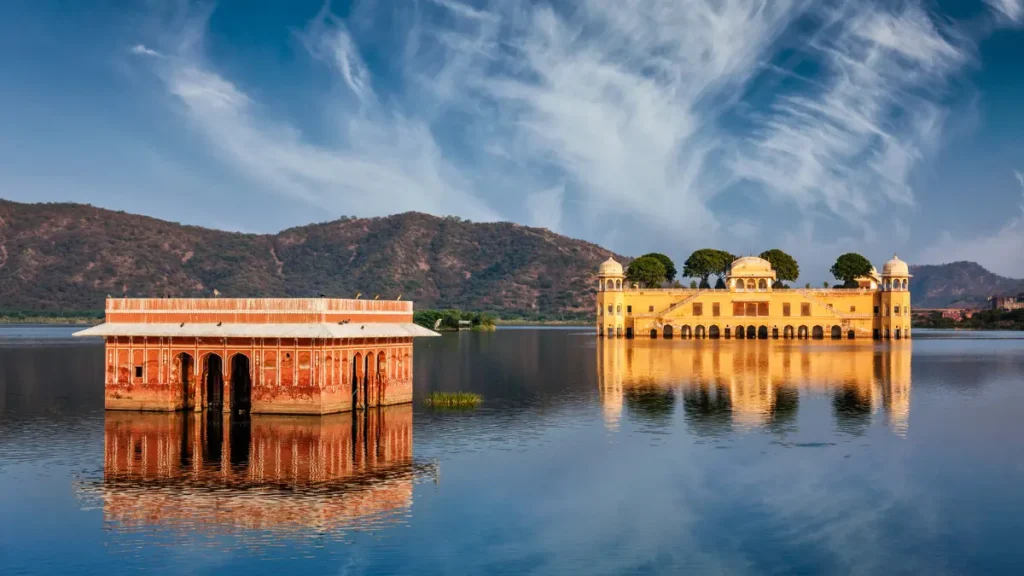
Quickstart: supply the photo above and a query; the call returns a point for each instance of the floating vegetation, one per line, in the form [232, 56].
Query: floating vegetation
[453, 400]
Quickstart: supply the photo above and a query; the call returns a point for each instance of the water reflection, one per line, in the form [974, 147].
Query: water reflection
[729, 386]
[208, 472]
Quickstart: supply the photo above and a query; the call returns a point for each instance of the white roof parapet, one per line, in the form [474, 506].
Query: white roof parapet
[239, 330]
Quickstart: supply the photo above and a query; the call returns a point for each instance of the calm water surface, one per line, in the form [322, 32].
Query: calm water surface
[738, 457]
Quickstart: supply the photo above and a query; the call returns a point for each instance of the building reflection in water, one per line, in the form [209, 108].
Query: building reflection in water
[727, 386]
[208, 472]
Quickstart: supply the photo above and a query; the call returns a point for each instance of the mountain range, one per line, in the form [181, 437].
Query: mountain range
[71, 256]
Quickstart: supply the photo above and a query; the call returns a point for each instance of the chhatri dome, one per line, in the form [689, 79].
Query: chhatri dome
[895, 267]
[610, 268]
[751, 266]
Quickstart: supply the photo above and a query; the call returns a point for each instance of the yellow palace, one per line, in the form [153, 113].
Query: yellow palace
[749, 307]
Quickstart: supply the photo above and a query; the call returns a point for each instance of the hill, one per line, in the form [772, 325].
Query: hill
[71, 256]
[958, 285]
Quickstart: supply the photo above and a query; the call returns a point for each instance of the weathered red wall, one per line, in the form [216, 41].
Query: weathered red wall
[288, 376]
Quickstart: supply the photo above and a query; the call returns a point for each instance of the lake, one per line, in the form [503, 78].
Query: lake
[587, 456]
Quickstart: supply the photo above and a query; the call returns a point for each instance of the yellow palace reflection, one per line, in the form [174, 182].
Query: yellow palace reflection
[755, 383]
[207, 473]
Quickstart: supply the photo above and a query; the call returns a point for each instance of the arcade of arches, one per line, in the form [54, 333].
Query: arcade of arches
[279, 376]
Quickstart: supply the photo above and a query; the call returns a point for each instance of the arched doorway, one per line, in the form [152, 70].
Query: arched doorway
[896, 334]
[775, 333]
[629, 333]
[886, 333]
[837, 333]
[700, 332]
[801, 333]
[654, 333]
[686, 332]
[728, 332]
[762, 333]
[667, 331]
[184, 365]
[356, 379]
[241, 384]
[751, 332]
[370, 375]
[818, 333]
[714, 332]
[787, 332]
[213, 380]
[850, 335]
[740, 333]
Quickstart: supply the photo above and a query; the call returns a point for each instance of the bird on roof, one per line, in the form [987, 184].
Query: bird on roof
[376, 296]
[321, 295]
[182, 325]
[216, 293]
[219, 323]
[399, 297]
[358, 294]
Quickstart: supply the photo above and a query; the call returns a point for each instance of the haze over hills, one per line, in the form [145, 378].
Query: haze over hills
[71, 256]
[958, 285]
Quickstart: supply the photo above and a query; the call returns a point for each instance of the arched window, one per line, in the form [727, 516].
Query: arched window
[762, 285]
[618, 284]
[750, 284]
[618, 310]
[888, 285]
[610, 285]
[904, 284]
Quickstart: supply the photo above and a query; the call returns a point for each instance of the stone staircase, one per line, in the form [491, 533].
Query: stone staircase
[680, 304]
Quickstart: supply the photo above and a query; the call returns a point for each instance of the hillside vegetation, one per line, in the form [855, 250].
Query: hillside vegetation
[57, 257]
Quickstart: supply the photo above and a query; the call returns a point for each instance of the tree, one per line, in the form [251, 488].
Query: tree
[849, 267]
[785, 266]
[808, 285]
[670, 266]
[824, 284]
[725, 260]
[646, 270]
[693, 283]
[705, 262]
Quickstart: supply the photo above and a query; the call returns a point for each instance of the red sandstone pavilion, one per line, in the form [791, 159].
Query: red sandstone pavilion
[260, 355]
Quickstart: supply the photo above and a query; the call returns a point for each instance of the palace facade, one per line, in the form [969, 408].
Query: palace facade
[257, 355]
[751, 307]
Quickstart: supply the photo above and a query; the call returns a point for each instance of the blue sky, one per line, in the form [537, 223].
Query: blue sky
[818, 127]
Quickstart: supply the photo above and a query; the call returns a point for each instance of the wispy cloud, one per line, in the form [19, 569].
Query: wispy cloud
[646, 111]
[852, 145]
[141, 50]
[1012, 10]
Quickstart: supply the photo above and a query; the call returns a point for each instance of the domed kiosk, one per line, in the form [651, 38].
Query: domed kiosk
[750, 274]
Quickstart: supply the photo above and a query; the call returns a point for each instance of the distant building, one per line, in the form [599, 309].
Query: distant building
[750, 307]
[957, 314]
[1008, 302]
